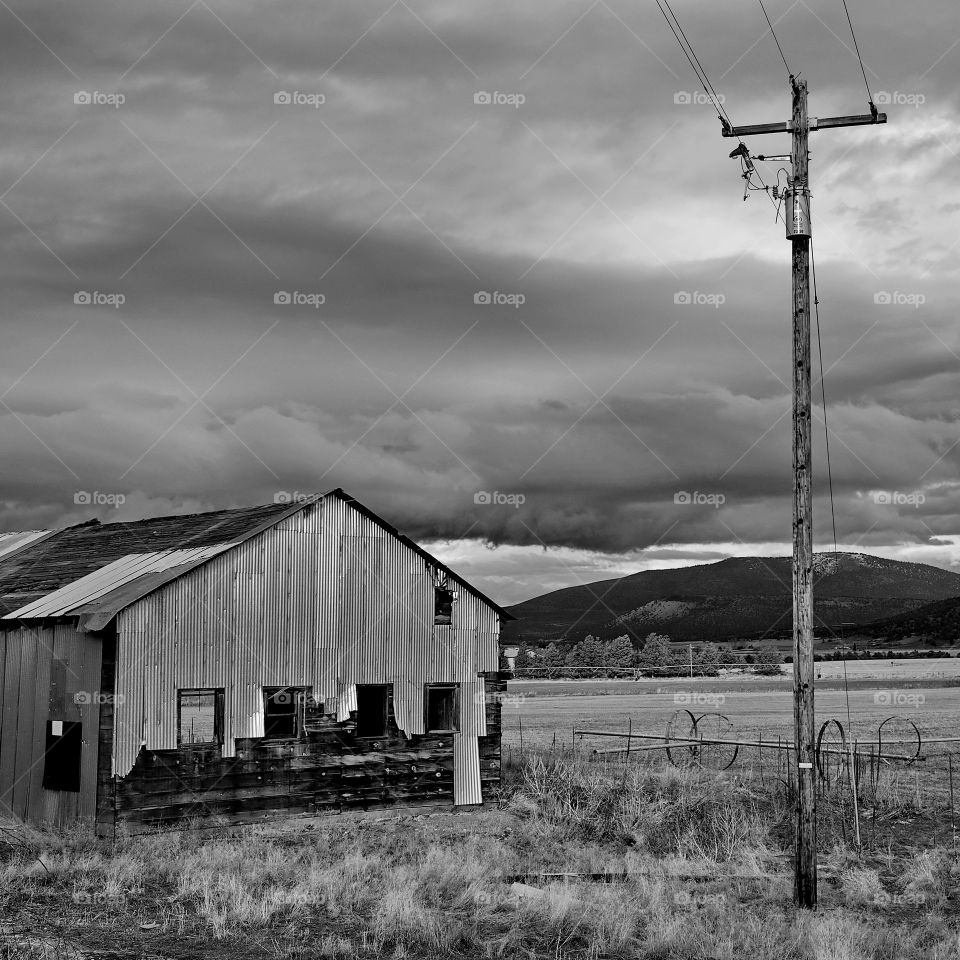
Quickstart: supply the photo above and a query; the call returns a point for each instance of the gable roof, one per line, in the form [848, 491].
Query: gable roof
[94, 570]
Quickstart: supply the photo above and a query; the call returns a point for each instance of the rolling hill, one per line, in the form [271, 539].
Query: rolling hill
[937, 622]
[737, 597]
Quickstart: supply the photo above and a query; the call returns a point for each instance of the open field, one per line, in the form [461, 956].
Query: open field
[696, 864]
[768, 712]
[922, 690]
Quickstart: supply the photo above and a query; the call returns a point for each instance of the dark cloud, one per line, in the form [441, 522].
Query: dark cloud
[649, 356]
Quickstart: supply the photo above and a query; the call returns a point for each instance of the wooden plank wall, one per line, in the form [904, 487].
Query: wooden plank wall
[327, 770]
[49, 673]
[491, 740]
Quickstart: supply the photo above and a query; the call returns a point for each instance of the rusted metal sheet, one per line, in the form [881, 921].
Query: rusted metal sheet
[111, 577]
[10, 543]
[326, 598]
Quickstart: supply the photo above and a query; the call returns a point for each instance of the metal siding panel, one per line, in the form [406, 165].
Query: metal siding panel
[466, 748]
[353, 583]
[82, 655]
[466, 769]
[131, 683]
[35, 794]
[90, 716]
[26, 710]
[480, 708]
[53, 800]
[13, 646]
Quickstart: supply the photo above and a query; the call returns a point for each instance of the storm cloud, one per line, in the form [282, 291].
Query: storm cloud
[486, 267]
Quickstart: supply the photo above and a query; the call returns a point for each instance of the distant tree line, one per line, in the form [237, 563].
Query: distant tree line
[877, 655]
[657, 657]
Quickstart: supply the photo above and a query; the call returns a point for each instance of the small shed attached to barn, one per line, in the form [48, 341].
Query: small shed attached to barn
[241, 664]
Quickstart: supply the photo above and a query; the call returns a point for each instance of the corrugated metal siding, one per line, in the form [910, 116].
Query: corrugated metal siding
[466, 746]
[326, 598]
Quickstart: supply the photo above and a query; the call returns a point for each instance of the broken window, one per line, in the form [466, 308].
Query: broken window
[199, 717]
[443, 605]
[371, 710]
[61, 762]
[441, 708]
[283, 711]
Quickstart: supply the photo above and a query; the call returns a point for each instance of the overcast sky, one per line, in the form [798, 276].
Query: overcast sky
[591, 194]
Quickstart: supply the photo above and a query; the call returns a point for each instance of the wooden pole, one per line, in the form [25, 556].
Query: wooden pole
[805, 880]
[805, 875]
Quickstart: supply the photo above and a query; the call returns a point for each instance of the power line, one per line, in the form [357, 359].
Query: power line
[691, 56]
[856, 47]
[823, 391]
[775, 40]
[746, 165]
[826, 435]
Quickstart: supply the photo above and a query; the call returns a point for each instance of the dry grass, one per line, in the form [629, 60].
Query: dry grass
[703, 877]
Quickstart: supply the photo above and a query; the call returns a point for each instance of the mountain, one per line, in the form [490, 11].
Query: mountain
[737, 597]
[938, 621]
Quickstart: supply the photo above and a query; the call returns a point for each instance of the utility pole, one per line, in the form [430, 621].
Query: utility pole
[805, 875]
[797, 203]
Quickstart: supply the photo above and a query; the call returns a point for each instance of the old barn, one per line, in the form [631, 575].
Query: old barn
[240, 664]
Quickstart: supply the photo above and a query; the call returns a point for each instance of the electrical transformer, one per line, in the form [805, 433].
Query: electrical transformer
[797, 204]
